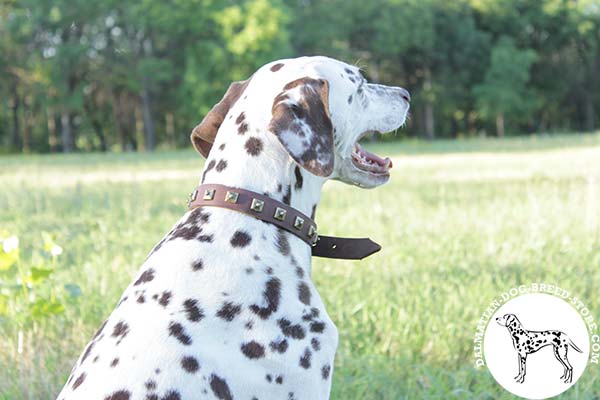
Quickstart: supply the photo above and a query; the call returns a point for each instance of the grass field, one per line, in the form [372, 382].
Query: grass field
[460, 222]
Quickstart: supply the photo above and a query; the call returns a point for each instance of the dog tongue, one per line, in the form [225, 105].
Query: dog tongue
[373, 157]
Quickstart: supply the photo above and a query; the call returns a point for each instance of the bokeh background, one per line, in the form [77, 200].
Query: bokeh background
[496, 178]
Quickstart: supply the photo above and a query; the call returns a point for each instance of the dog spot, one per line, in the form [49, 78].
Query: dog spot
[79, 381]
[249, 325]
[114, 362]
[317, 327]
[120, 330]
[229, 311]
[279, 346]
[279, 188]
[253, 350]
[146, 276]
[279, 380]
[350, 99]
[299, 178]
[304, 293]
[241, 118]
[141, 299]
[150, 385]
[243, 128]
[99, 331]
[172, 395]
[325, 371]
[276, 67]
[283, 245]
[119, 395]
[305, 359]
[220, 388]
[287, 198]
[165, 298]
[210, 166]
[271, 296]
[221, 165]
[316, 345]
[222, 146]
[289, 330]
[87, 352]
[176, 330]
[240, 239]
[299, 270]
[190, 364]
[269, 378]
[193, 312]
[254, 146]
[198, 265]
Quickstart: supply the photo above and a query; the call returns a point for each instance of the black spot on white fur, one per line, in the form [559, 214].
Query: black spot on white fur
[271, 296]
[177, 330]
[240, 239]
[229, 311]
[193, 312]
[146, 276]
[220, 388]
[253, 350]
[190, 364]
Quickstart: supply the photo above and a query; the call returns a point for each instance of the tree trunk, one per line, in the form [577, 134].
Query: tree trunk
[149, 129]
[500, 125]
[52, 138]
[590, 114]
[170, 129]
[16, 128]
[429, 114]
[429, 121]
[66, 131]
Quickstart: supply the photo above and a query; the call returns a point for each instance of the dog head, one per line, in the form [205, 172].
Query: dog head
[507, 320]
[318, 109]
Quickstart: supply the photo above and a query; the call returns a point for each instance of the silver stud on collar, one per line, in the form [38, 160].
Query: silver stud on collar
[209, 194]
[280, 214]
[257, 205]
[312, 233]
[232, 197]
[192, 197]
[298, 223]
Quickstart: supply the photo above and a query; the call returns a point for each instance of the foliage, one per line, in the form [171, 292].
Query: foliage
[28, 293]
[76, 75]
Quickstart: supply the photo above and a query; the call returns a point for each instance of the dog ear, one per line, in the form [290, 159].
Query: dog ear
[203, 135]
[301, 122]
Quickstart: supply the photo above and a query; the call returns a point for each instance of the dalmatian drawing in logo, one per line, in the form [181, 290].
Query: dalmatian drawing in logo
[528, 342]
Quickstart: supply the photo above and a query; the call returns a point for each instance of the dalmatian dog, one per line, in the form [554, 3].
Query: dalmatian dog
[224, 306]
[528, 342]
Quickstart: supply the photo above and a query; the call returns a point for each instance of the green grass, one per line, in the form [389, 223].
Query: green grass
[460, 222]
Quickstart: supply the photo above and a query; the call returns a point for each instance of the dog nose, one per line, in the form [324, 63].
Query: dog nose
[405, 95]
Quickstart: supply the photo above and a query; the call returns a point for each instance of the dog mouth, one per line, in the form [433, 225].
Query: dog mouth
[370, 162]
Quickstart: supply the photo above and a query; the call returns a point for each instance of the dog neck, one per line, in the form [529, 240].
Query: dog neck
[253, 159]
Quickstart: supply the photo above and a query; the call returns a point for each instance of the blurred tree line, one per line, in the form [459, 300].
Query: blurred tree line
[113, 75]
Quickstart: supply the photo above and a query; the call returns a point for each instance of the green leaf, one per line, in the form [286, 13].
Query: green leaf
[38, 275]
[3, 304]
[73, 290]
[7, 260]
[44, 308]
[48, 241]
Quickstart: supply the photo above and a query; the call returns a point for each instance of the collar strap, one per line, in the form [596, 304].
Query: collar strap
[277, 213]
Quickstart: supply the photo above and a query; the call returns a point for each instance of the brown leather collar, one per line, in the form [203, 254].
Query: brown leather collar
[277, 213]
